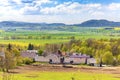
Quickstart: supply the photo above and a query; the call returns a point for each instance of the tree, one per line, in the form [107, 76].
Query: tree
[30, 37]
[107, 58]
[27, 61]
[108, 47]
[30, 47]
[40, 52]
[99, 56]
[10, 61]
[9, 47]
[118, 59]
[16, 52]
[64, 48]
[72, 37]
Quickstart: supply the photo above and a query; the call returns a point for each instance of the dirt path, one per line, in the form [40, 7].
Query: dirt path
[59, 68]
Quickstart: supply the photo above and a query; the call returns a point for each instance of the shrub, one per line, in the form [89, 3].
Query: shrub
[27, 61]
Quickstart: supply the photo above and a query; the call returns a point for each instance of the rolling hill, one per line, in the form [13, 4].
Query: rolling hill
[7, 25]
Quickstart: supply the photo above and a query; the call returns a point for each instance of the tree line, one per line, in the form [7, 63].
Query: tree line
[105, 51]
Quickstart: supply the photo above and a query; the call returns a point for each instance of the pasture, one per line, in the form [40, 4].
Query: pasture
[60, 73]
[37, 37]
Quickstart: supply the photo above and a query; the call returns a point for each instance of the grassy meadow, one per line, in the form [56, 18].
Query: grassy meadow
[37, 37]
[76, 75]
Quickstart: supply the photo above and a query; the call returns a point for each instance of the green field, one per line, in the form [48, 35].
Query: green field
[23, 37]
[77, 75]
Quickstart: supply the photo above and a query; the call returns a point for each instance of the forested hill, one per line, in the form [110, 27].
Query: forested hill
[89, 23]
[27, 24]
[98, 23]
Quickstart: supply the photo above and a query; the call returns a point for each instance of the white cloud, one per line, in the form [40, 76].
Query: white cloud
[17, 1]
[114, 6]
[71, 8]
[4, 2]
[29, 10]
[97, 13]
[67, 12]
[39, 2]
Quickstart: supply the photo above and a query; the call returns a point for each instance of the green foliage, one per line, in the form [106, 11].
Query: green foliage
[64, 48]
[27, 61]
[9, 61]
[40, 52]
[30, 47]
[91, 41]
[118, 59]
[16, 52]
[19, 61]
[108, 58]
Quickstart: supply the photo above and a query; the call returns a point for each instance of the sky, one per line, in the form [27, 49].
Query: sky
[59, 11]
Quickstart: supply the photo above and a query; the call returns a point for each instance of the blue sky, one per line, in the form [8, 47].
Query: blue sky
[59, 11]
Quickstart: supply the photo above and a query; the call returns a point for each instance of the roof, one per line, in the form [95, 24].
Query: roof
[30, 54]
[35, 51]
[79, 56]
[53, 57]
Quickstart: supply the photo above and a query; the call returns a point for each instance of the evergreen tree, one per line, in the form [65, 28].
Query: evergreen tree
[30, 47]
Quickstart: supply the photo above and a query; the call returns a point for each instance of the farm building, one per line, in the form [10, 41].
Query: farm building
[41, 59]
[91, 61]
[52, 58]
[29, 53]
[79, 58]
[59, 58]
[2, 57]
[2, 54]
[68, 60]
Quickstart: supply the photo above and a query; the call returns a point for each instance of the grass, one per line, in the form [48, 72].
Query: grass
[24, 42]
[76, 75]
[55, 36]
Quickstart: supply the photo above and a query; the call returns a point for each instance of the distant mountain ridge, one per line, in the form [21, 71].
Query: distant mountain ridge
[99, 23]
[89, 23]
[19, 24]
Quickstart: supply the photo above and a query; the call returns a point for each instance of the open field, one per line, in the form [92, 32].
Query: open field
[59, 73]
[23, 37]
[29, 72]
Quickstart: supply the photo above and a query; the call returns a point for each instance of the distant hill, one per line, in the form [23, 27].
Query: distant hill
[22, 24]
[98, 23]
[89, 23]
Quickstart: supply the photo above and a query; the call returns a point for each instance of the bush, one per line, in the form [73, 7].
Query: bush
[27, 61]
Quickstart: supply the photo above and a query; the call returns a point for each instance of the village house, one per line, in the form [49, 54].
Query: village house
[51, 58]
[29, 53]
[2, 57]
[79, 58]
[68, 60]
[2, 54]
[57, 58]
[91, 62]
[41, 59]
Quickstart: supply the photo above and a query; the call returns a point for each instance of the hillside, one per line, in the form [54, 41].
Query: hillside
[99, 23]
[8, 25]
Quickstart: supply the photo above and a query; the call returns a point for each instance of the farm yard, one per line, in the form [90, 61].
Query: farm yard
[50, 72]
